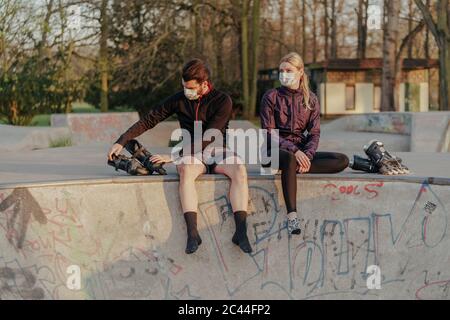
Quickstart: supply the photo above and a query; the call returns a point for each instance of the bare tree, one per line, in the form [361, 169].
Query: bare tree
[390, 38]
[333, 25]
[440, 30]
[282, 9]
[255, 55]
[103, 54]
[304, 41]
[326, 29]
[244, 54]
[362, 16]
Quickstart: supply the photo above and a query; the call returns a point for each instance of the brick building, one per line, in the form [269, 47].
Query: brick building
[347, 86]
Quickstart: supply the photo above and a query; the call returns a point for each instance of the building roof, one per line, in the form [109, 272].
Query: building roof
[373, 63]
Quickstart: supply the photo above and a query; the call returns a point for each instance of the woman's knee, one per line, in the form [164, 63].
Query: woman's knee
[343, 161]
[288, 161]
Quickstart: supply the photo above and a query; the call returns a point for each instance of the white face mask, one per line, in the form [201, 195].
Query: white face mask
[191, 94]
[289, 79]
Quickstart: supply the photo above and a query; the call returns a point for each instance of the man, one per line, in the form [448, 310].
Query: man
[199, 101]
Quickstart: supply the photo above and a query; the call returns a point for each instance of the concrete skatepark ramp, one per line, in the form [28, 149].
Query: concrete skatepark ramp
[125, 238]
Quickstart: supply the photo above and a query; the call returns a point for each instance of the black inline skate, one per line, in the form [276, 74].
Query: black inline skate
[129, 165]
[362, 164]
[143, 156]
[386, 163]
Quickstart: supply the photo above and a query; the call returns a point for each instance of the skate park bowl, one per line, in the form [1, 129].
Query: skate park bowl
[86, 128]
[125, 237]
[405, 132]
[400, 132]
[73, 228]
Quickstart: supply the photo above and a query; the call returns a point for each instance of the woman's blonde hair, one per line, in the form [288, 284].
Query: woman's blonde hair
[296, 60]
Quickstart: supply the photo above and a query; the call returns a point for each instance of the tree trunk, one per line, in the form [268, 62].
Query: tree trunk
[218, 44]
[390, 37]
[399, 59]
[103, 55]
[410, 28]
[69, 54]
[198, 31]
[45, 29]
[255, 54]
[443, 27]
[281, 35]
[427, 37]
[334, 47]
[362, 30]
[326, 31]
[444, 74]
[244, 55]
[441, 34]
[304, 29]
[314, 34]
[360, 53]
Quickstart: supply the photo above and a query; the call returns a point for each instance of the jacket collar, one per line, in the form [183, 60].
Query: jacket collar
[287, 91]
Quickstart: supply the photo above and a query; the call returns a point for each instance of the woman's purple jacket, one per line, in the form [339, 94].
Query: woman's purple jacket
[299, 128]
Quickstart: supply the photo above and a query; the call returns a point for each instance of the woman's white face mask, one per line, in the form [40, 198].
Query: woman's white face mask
[290, 79]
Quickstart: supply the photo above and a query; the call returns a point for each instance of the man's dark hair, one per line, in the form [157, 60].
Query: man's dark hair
[196, 69]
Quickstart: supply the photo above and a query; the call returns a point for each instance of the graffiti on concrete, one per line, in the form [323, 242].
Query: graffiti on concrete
[328, 260]
[333, 255]
[19, 207]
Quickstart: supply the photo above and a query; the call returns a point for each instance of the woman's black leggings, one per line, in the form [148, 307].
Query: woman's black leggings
[323, 162]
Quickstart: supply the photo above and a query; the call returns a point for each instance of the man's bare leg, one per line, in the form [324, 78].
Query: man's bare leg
[239, 201]
[189, 171]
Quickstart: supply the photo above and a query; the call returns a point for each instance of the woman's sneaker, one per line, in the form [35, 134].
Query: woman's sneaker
[293, 226]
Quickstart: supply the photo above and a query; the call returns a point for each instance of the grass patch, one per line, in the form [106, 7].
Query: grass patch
[83, 107]
[41, 120]
[123, 109]
[61, 142]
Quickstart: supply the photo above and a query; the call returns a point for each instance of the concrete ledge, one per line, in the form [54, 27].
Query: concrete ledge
[128, 237]
[217, 177]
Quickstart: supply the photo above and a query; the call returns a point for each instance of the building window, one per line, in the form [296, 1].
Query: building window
[350, 97]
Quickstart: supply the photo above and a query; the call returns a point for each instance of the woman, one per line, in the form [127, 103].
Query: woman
[295, 111]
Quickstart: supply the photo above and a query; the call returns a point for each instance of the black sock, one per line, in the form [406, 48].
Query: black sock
[240, 236]
[240, 220]
[193, 238]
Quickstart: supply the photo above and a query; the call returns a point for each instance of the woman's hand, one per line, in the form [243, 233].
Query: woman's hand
[115, 150]
[302, 160]
[156, 158]
[301, 169]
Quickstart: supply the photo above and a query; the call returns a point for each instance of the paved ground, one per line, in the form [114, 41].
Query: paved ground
[89, 162]
[65, 207]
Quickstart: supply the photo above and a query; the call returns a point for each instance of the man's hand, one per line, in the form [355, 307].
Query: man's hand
[115, 150]
[156, 158]
[304, 164]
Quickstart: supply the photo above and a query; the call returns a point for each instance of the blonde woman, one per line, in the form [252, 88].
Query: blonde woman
[295, 111]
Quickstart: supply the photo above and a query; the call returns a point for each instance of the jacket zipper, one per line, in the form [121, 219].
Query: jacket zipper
[196, 109]
[292, 114]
